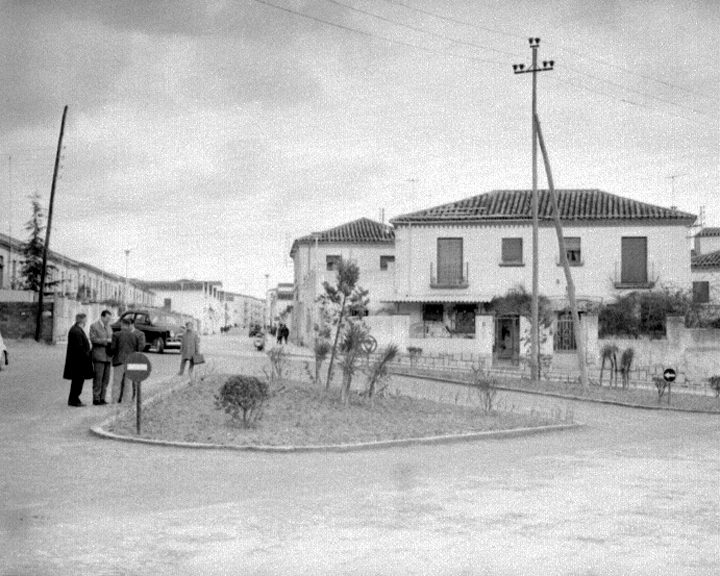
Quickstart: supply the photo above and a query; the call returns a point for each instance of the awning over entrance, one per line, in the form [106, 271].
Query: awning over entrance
[442, 299]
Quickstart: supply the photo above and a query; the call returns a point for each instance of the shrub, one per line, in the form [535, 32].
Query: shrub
[321, 348]
[662, 386]
[714, 382]
[278, 363]
[486, 388]
[242, 395]
[414, 352]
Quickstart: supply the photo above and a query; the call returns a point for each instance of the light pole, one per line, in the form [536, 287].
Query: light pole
[127, 259]
[267, 300]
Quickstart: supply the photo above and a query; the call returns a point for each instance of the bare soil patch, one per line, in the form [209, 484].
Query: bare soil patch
[303, 414]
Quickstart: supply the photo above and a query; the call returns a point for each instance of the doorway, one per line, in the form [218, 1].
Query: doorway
[507, 340]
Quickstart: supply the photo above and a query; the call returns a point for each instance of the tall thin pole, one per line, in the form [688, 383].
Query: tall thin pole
[43, 274]
[127, 259]
[579, 337]
[535, 308]
[10, 211]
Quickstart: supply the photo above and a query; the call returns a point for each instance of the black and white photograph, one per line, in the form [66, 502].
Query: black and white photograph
[359, 287]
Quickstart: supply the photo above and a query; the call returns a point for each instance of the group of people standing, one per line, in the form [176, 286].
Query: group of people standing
[92, 358]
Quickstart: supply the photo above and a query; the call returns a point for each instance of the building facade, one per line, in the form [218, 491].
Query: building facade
[454, 260]
[369, 244]
[74, 279]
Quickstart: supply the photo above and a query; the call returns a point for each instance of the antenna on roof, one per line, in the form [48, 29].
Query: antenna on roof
[382, 215]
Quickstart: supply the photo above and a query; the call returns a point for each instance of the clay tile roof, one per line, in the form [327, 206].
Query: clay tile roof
[709, 260]
[708, 232]
[517, 205]
[362, 230]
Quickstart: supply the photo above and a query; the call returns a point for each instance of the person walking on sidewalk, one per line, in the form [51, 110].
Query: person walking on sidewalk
[124, 343]
[78, 360]
[189, 348]
[101, 338]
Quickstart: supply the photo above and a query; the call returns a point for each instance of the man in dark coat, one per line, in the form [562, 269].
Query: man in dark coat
[123, 344]
[78, 362]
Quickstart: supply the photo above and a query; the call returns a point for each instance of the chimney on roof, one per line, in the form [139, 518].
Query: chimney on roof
[673, 207]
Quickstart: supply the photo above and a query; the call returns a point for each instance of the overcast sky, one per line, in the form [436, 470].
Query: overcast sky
[205, 135]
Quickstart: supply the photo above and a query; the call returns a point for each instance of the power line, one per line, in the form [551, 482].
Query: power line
[369, 34]
[638, 92]
[630, 102]
[568, 50]
[454, 21]
[422, 30]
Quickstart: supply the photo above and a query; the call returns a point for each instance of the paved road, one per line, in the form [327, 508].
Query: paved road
[634, 492]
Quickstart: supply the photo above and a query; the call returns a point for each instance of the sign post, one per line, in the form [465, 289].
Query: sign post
[138, 368]
[669, 376]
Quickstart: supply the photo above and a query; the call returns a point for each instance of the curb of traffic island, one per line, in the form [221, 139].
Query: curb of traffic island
[448, 439]
[564, 396]
[124, 408]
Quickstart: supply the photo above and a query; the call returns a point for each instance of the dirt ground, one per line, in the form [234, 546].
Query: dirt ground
[304, 414]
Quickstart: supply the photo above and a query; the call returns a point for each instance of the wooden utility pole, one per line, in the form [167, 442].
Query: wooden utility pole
[43, 274]
[579, 340]
[535, 322]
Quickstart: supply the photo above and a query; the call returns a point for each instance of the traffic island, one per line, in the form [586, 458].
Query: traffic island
[300, 416]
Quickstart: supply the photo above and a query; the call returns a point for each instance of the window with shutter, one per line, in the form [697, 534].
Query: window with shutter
[701, 292]
[634, 260]
[512, 250]
[572, 249]
[449, 261]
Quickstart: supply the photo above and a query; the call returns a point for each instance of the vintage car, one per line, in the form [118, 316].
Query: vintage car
[162, 329]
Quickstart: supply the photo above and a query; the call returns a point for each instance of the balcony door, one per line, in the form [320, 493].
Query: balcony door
[634, 260]
[449, 261]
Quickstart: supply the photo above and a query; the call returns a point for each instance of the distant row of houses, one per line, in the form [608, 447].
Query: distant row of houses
[433, 273]
[206, 301]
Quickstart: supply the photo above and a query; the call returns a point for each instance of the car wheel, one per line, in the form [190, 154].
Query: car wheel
[159, 344]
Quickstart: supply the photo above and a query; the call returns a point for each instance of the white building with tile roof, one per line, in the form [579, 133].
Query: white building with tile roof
[370, 244]
[453, 259]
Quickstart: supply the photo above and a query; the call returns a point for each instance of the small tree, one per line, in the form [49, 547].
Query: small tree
[626, 361]
[351, 350]
[34, 249]
[278, 361]
[609, 354]
[321, 350]
[342, 298]
[378, 371]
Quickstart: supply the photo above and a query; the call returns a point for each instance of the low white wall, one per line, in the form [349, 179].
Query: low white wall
[18, 296]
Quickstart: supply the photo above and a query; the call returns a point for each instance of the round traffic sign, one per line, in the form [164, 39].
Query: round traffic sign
[669, 375]
[138, 367]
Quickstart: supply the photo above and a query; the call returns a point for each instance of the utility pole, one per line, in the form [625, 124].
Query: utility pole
[579, 340]
[535, 321]
[43, 273]
[10, 210]
[127, 258]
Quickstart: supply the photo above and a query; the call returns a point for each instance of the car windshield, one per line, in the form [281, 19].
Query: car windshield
[163, 319]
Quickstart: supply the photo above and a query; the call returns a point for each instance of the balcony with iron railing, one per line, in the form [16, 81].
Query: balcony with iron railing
[457, 280]
[639, 281]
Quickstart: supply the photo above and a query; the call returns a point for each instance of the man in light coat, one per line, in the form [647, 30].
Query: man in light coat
[101, 337]
[189, 348]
